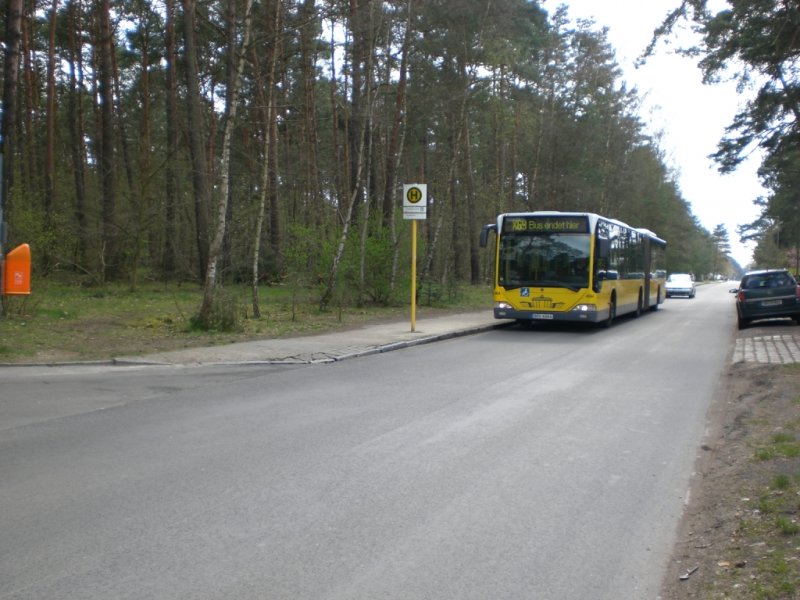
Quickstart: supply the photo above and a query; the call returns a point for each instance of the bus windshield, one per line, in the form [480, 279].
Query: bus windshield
[544, 260]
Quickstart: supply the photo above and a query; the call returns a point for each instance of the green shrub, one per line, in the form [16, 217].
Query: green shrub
[225, 315]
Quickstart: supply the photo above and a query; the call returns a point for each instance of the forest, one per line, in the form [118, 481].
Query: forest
[265, 142]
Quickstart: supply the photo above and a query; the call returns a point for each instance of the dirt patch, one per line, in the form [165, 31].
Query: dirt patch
[739, 537]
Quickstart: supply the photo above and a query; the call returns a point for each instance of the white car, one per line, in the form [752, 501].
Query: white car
[680, 284]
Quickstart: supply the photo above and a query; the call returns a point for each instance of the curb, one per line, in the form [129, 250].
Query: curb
[388, 347]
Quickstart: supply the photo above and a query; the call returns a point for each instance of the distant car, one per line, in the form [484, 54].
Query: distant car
[680, 284]
[766, 295]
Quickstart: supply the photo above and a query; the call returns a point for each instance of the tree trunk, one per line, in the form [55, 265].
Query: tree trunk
[338, 161]
[362, 263]
[206, 309]
[369, 47]
[197, 141]
[459, 126]
[311, 180]
[224, 261]
[275, 232]
[394, 151]
[77, 131]
[142, 199]
[107, 129]
[50, 150]
[269, 149]
[360, 31]
[170, 170]
[28, 151]
[10, 86]
[327, 296]
[474, 257]
[120, 125]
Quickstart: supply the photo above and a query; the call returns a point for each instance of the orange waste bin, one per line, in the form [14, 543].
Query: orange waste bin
[17, 271]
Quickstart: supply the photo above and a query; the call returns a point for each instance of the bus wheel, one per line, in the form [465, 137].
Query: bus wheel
[612, 313]
[654, 306]
[639, 306]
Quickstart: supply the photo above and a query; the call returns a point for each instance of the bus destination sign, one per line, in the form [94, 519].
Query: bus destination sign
[542, 224]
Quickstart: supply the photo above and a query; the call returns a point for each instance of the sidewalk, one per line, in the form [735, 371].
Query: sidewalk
[328, 347]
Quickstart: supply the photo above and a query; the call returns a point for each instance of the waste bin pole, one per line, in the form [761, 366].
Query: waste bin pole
[2, 221]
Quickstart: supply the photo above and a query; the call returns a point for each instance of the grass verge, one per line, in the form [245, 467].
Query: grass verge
[62, 322]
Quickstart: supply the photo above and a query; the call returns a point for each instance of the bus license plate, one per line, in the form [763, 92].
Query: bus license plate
[545, 316]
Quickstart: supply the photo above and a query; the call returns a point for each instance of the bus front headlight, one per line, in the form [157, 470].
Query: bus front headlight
[503, 305]
[585, 308]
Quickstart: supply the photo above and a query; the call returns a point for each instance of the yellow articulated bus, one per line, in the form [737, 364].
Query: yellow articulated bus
[570, 266]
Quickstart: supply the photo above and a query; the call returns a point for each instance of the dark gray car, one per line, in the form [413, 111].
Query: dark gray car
[767, 294]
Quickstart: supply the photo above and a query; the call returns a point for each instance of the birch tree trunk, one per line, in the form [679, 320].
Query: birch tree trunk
[206, 309]
[361, 69]
[327, 296]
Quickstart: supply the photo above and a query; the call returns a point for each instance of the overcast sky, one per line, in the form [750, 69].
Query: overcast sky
[692, 116]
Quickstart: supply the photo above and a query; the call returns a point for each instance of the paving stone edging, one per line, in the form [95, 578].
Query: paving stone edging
[768, 349]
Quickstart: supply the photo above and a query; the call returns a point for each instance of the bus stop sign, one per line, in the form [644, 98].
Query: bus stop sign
[415, 201]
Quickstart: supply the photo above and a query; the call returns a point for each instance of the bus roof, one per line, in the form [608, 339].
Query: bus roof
[593, 218]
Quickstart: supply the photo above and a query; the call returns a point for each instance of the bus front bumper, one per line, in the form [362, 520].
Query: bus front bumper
[574, 316]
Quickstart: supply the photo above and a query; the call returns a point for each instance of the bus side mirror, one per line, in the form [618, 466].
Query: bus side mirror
[598, 281]
[603, 248]
[485, 234]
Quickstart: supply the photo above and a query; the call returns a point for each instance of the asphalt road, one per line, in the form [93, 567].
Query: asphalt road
[549, 463]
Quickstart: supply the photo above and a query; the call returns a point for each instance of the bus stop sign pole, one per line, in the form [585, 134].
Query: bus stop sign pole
[415, 207]
[413, 275]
